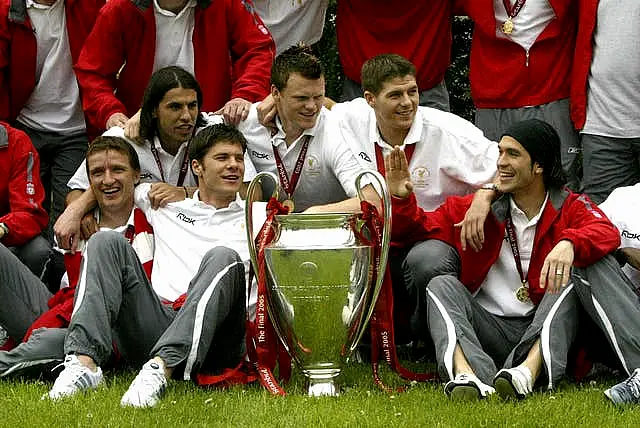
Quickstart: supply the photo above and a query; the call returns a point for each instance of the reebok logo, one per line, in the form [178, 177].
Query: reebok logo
[364, 156]
[259, 155]
[630, 235]
[186, 219]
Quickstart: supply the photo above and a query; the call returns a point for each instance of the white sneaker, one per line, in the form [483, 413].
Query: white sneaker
[467, 387]
[74, 378]
[516, 382]
[147, 388]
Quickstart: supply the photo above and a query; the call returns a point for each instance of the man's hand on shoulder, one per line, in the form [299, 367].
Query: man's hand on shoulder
[235, 111]
[161, 194]
[267, 113]
[132, 128]
[397, 174]
[472, 226]
[117, 119]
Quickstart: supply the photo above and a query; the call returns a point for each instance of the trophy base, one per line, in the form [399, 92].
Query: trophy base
[321, 384]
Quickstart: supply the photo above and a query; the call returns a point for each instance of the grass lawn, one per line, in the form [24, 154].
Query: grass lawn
[361, 404]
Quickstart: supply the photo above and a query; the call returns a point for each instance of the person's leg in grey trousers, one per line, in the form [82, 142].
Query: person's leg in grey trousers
[24, 297]
[36, 356]
[114, 293]
[210, 326]
[555, 323]
[425, 261]
[612, 302]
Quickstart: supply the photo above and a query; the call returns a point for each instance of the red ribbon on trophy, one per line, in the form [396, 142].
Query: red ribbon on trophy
[381, 322]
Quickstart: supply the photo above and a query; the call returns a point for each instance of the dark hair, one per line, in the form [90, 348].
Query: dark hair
[382, 68]
[296, 59]
[210, 136]
[104, 143]
[542, 143]
[161, 82]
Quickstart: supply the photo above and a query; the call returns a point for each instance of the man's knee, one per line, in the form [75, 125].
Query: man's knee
[107, 239]
[222, 255]
[427, 260]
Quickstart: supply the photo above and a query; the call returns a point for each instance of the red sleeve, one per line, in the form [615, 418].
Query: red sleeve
[588, 228]
[411, 223]
[252, 52]
[100, 61]
[26, 218]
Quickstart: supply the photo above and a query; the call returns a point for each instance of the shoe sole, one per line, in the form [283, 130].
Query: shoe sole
[465, 393]
[505, 389]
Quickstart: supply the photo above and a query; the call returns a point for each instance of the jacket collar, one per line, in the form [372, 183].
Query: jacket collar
[18, 10]
[144, 4]
[501, 207]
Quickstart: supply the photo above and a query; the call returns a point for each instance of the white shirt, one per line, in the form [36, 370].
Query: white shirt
[149, 170]
[497, 294]
[452, 156]
[184, 231]
[292, 21]
[533, 18]
[54, 104]
[622, 207]
[174, 34]
[330, 167]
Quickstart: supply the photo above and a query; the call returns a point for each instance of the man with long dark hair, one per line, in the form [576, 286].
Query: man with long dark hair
[169, 117]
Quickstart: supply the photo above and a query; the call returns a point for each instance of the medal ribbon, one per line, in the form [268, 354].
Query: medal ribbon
[513, 241]
[513, 11]
[183, 167]
[408, 152]
[289, 185]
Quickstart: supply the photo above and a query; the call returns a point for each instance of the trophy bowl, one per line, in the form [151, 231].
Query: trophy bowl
[320, 294]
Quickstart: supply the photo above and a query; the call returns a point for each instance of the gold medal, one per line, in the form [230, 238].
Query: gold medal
[522, 293]
[507, 26]
[288, 204]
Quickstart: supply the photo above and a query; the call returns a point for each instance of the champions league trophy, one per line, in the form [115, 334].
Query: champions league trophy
[319, 292]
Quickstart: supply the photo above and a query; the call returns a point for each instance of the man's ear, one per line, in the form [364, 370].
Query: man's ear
[537, 169]
[371, 99]
[196, 168]
[136, 178]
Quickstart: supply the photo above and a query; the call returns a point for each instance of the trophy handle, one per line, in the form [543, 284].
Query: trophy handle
[249, 212]
[386, 234]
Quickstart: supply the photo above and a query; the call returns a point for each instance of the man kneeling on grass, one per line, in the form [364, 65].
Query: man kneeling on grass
[513, 305]
[200, 257]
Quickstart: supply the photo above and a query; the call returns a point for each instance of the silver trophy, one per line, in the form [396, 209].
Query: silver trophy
[320, 296]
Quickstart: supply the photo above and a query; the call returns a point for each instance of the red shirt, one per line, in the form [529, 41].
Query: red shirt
[418, 30]
[233, 53]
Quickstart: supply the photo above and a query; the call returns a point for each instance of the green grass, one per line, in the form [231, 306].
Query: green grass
[361, 404]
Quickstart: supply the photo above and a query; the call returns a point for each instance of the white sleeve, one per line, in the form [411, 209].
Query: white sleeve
[141, 200]
[249, 169]
[470, 160]
[80, 180]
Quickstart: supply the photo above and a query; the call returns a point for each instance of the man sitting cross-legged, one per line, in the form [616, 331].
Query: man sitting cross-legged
[513, 305]
[200, 257]
[27, 305]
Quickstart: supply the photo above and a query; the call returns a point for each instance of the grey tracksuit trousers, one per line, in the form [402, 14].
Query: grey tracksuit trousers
[115, 303]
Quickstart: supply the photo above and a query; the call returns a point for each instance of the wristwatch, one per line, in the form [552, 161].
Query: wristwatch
[490, 186]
